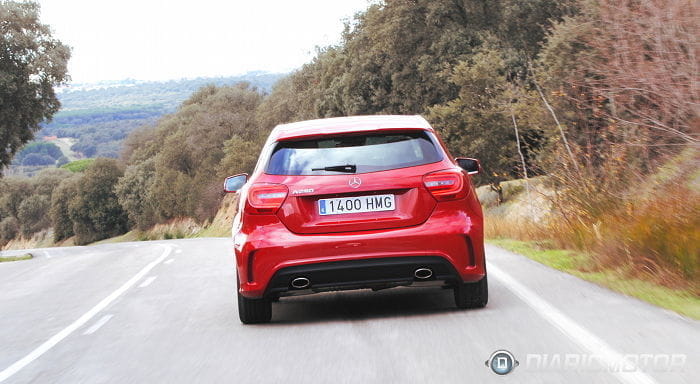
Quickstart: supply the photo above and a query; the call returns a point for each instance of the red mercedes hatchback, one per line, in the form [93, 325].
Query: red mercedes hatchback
[356, 202]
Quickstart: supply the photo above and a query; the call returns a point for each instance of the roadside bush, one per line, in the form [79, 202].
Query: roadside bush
[9, 228]
[133, 192]
[13, 190]
[32, 214]
[46, 181]
[174, 194]
[66, 191]
[96, 212]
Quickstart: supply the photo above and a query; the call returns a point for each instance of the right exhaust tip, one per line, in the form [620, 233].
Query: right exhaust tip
[423, 273]
[300, 282]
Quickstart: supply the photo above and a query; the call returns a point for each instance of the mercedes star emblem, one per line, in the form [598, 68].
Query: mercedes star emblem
[355, 182]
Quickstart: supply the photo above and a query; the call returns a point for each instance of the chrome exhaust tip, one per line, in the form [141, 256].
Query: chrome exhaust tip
[300, 282]
[423, 273]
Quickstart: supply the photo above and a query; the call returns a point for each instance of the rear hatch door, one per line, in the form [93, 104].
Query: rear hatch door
[362, 182]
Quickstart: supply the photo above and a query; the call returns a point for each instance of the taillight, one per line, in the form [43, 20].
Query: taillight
[445, 185]
[266, 198]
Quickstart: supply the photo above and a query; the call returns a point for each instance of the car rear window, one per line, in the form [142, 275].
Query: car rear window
[367, 152]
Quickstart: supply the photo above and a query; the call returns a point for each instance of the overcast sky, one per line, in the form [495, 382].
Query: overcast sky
[159, 39]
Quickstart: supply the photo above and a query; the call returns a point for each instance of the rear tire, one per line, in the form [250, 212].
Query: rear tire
[253, 311]
[472, 295]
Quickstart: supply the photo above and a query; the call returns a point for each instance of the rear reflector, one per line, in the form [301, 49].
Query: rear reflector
[445, 185]
[267, 198]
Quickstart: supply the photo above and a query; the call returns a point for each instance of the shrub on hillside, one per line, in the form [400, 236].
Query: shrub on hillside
[48, 179]
[95, 211]
[188, 153]
[240, 156]
[133, 191]
[9, 228]
[12, 191]
[64, 193]
[32, 214]
[174, 194]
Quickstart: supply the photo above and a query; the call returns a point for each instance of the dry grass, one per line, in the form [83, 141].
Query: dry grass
[658, 237]
[520, 217]
[651, 233]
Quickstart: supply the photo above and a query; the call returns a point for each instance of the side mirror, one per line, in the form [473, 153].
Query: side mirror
[234, 183]
[472, 166]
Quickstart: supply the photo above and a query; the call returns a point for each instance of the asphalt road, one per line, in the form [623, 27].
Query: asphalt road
[165, 312]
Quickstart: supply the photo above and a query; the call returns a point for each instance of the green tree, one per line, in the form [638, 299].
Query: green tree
[95, 211]
[398, 55]
[479, 122]
[32, 62]
[474, 124]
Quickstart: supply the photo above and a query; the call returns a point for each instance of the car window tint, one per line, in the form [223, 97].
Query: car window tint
[369, 153]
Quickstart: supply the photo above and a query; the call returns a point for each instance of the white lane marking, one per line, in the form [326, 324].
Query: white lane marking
[178, 251]
[169, 261]
[57, 338]
[148, 281]
[581, 336]
[98, 324]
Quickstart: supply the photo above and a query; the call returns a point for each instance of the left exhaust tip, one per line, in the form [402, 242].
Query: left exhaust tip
[300, 282]
[423, 273]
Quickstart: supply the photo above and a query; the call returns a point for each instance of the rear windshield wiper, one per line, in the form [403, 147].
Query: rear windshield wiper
[350, 168]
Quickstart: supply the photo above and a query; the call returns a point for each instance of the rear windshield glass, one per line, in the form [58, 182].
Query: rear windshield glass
[363, 153]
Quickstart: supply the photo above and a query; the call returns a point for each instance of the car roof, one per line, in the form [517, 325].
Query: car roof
[351, 124]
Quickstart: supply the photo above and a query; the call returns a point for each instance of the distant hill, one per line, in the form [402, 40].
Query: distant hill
[99, 116]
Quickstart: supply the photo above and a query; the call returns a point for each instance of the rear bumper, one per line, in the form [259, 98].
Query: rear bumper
[271, 256]
[375, 274]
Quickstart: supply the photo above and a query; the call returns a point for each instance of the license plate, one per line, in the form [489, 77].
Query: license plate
[357, 204]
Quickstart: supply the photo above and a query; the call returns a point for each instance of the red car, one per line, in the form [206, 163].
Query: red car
[356, 202]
